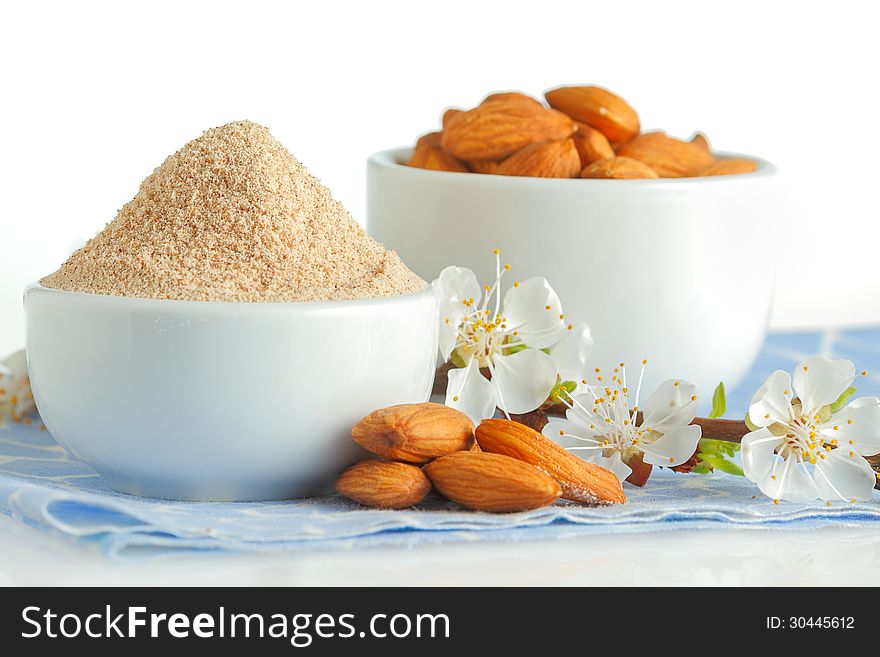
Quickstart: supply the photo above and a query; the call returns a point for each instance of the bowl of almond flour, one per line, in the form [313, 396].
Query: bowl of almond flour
[220, 337]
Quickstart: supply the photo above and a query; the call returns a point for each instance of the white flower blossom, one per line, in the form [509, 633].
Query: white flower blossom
[605, 425]
[803, 447]
[520, 339]
[16, 399]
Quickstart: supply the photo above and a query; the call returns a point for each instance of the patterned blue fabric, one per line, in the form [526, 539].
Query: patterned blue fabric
[45, 487]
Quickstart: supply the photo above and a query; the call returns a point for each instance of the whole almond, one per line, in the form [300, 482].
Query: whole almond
[448, 115]
[597, 107]
[669, 157]
[428, 155]
[618, 167]
[580, 481]
[727, 166]
[591, 144]
[491, 482]
[552, 159]
[384, 484]
[513, 95]
[499, 128]
[415, 433]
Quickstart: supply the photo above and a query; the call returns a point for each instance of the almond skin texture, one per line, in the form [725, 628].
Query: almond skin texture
[415, 433]
[669, 157]
[618, 167]
[428, 155]
[484, 166]
[491, 482]
[597, 107]
[728, 166]
[580, 481]
[384, 484]
[499, 128]
[553, 159]
[591, 144]
[448, 115]
[513, 95]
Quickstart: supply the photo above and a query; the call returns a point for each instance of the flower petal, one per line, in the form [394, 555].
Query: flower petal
[582, 413]
[819, 380]
[759, 453]
[523, 380]
[471, 393]
[844, 475]
[451, 315]
[457, 284]
[789, 480]
[533, 310]
[568, 434]
[616, 465]
[857, 425]
[772, 401]
[571, 352]
[673, 447]
[672, 405]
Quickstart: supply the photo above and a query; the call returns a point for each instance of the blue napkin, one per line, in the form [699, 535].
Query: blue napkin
[45, 487]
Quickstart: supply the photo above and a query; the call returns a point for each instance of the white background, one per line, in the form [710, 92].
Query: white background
[95, 95]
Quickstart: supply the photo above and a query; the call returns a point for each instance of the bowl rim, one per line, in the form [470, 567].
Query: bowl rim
[391, 158]
[237, 306]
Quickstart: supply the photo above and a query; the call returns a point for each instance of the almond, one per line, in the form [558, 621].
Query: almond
[513, 95]
[726, 166]
[491, 482]
[384, 484]
[618, 167]
[484, 166]
[701, 140]
[448, 115]
[428, 155]
[499, 128]
[597, 107]
[415, 433]
[580, 481]
[591, 144]
[669, 157]
[552, 159]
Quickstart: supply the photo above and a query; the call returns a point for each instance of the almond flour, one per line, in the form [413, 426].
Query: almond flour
[233, 216]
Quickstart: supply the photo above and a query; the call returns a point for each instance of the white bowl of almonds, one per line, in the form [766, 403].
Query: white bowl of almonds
[644, 236]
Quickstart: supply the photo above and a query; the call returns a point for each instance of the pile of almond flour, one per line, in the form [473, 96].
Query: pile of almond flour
[233, 216]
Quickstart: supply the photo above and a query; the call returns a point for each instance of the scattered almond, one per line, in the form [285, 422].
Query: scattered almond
[415, 433]
[597, 107]
[491, 482]
[618, 167]
[384, 484]
[484, 166]
[727, 166]
[669, 157]
[552, 159]
[580, 481]
[591, 144]
[499, 128]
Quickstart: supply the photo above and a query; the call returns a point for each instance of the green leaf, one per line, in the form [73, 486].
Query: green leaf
[719, 401]
[715, 455]
[843, 399]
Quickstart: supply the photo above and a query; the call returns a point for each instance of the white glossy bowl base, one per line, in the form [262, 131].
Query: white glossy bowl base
[678, 271]
[222, 401]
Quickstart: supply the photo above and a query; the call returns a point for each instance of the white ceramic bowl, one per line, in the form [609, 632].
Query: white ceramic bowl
[678, 271]
[222, 401]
